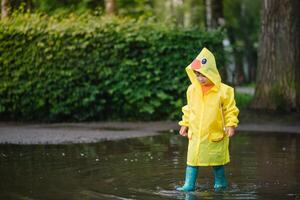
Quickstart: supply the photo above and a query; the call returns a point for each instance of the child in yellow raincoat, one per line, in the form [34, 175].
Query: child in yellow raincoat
[209, 119]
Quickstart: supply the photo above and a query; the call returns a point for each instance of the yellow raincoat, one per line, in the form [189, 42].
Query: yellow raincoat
[208, 114]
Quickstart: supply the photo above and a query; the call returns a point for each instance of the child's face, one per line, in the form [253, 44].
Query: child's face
[203, 80]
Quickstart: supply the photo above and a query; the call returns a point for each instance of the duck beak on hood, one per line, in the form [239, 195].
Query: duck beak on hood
[204, 63]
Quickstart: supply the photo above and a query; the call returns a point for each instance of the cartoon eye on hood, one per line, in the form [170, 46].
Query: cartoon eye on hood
[204, 63]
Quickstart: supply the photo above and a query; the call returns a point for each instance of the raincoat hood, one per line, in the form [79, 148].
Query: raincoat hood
[204, 63]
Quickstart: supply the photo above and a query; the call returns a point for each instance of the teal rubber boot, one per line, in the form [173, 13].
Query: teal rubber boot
[220, 179]
[190, 179]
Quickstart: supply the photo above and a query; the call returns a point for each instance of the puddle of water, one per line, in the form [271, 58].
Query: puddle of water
[263, 166]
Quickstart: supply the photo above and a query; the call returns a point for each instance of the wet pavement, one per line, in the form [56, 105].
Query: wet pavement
[245, 90]
[64, 133]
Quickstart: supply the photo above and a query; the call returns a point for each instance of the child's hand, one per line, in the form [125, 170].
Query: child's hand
[183, 131]
[230, 131]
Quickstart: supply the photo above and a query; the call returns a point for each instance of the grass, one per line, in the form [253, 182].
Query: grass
[243, 100]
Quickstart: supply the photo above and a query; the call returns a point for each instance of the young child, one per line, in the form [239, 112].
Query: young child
[209, 119]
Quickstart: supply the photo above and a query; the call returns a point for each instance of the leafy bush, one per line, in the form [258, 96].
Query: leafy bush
[95, 68]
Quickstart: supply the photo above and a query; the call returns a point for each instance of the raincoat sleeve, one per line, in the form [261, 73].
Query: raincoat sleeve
[186, 110]
[230, 110]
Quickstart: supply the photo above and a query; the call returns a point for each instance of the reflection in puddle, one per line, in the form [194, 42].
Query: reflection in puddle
[263, 166]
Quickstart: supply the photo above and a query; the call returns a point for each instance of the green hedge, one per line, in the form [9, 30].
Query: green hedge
[87, 67]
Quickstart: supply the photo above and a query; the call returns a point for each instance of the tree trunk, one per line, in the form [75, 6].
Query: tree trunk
[187, 13]
[8, 6]
[110, 7]
[252, 65]
[4, 8]
[29, 5]
[278, 78]
[239, 75]
[214, 16]
[297, 52]
[239, 67]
